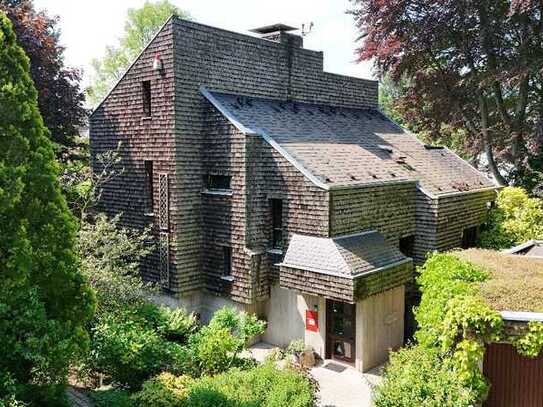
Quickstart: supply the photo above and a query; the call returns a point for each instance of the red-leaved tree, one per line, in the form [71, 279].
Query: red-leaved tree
[60, 98]
[475, 66]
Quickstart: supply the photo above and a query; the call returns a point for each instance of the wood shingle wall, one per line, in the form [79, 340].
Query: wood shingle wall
[120, 119]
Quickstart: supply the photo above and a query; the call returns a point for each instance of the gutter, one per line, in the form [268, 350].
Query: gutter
[518, 316]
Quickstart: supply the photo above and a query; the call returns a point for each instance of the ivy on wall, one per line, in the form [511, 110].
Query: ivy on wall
[455, 324]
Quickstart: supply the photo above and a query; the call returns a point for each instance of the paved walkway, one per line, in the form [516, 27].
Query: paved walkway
[343, 386]
[77, 398]
[339, 385]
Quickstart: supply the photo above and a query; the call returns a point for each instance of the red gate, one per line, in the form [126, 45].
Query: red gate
[515, 381]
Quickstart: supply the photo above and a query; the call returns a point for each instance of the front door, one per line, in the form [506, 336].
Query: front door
[340, 331]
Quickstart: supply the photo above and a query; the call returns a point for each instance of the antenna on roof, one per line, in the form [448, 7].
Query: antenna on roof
[307, 31]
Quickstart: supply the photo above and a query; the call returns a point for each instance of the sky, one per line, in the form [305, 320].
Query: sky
[88, 26]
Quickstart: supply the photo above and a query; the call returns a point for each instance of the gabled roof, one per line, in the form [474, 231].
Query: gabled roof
[347, 256]
[335, 146]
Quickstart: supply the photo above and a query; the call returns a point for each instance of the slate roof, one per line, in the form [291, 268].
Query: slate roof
[349, 256]
[342, 146]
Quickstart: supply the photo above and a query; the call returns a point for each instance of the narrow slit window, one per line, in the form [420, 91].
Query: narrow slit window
[146, 93]
[277, 223]
[149, 206]
[218, 182]
[227, 261]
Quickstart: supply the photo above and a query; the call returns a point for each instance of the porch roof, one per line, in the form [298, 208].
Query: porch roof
[346, 256]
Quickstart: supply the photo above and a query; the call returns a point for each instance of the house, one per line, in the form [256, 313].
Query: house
[279, 188]
[514, 289]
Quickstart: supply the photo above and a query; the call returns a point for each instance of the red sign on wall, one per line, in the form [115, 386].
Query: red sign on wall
[312, 321]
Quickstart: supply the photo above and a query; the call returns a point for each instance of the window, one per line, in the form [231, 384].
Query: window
[407, 245]
[146, 94]
[277, 223]
[221, 182]
[149, 186]
[469, 237]
[227, 261]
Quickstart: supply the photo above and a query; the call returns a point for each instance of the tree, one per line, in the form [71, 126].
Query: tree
[45, 302]
[476, 65]
[140, 27]
[60, 98]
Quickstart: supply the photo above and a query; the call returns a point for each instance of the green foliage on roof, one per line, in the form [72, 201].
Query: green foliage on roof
[515, 282]
[45, 303]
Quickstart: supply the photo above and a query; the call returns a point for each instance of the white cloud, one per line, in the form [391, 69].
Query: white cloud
[89, 26]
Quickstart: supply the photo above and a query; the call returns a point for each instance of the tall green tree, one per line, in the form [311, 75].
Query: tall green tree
[60, 97]
[476, 65]
[140, 27]
[45, 302]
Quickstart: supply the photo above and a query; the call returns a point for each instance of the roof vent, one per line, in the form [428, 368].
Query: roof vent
[386, 148]
[280, 33]
[431, 147]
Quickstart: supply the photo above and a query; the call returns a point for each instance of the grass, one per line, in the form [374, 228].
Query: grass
[516, 282]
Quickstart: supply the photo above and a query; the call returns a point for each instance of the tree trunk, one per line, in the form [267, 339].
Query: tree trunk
[487, 140]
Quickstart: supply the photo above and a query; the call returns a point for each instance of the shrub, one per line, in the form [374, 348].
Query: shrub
[111, 398]
[264, 386]
[454, 325]
[130, 352]
[217, 345]
[173, 324]
[516, 219]
[417, 376]
[110, 259]
[215, 349]
[165, 390]
[297, 346]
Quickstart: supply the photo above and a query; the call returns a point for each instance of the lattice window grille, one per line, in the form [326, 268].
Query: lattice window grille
[163, 209]
[164, 254]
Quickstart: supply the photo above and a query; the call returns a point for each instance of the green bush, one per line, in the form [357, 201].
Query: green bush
[165, 390]
[418, 377]
[111, 398]
[216, 346]
[516, 219]
[130, 352]
[455, 323]
[442, 278]
[173, 324]
[262, 386]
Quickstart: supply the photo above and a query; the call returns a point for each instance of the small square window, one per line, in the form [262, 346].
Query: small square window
[220, 182]
[227, 261]
[146, 95]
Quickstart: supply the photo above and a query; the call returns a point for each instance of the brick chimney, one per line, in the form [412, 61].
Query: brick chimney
[280, 33]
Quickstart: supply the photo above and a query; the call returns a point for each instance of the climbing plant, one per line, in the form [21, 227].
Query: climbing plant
[455, 324]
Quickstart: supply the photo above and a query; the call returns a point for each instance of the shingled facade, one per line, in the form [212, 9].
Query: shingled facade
[248, 160]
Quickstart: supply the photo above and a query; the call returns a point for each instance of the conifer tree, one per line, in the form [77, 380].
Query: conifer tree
[45, 303]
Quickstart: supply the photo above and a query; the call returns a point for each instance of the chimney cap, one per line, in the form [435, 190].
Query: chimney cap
[273, 28]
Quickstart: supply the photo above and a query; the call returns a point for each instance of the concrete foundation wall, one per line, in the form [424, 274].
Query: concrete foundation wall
[285, 322]
[379, 327]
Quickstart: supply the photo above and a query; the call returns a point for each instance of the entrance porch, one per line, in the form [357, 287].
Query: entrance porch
[344, 296]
